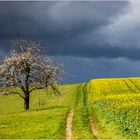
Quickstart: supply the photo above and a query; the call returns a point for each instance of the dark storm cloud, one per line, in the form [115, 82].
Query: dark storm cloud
[54, 18]
[93, 39]
[69, 28]
[132, 53]
[85, 69]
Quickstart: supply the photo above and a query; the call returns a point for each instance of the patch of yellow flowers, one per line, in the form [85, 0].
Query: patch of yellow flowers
[118, 100]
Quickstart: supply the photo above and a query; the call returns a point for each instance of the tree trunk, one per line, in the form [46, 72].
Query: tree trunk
[26, 102]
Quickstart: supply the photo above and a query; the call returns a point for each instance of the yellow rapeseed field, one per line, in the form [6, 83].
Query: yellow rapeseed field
[115, 103]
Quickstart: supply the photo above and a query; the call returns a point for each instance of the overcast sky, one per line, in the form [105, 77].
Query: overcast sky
[93, 39]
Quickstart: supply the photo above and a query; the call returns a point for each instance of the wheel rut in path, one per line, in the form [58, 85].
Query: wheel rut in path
[70, 116]
[91, 122]
[69, 125]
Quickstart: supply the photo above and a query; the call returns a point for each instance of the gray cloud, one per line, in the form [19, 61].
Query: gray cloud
[125, 28]
[70, 28]
[93, 39]
[85, 69]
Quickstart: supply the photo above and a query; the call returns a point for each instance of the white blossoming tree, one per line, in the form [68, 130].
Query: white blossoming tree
[27, 69]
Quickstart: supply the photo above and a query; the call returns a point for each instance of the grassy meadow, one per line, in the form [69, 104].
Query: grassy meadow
[112, 104]
[45, 119]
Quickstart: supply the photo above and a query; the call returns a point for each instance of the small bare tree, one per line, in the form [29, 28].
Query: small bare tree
[27, 69]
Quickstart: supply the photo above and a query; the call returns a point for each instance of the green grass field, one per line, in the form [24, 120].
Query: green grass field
[112, 104]
[45, 119]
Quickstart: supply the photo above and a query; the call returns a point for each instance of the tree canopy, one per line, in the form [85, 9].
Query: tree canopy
[27, 69]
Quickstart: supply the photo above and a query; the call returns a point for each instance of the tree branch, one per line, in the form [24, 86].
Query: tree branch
[6, 92]
[55, 88]
[17, 93]
[35, 88]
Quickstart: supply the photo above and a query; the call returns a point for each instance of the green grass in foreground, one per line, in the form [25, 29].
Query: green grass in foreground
[45, 119]
[48, 123]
